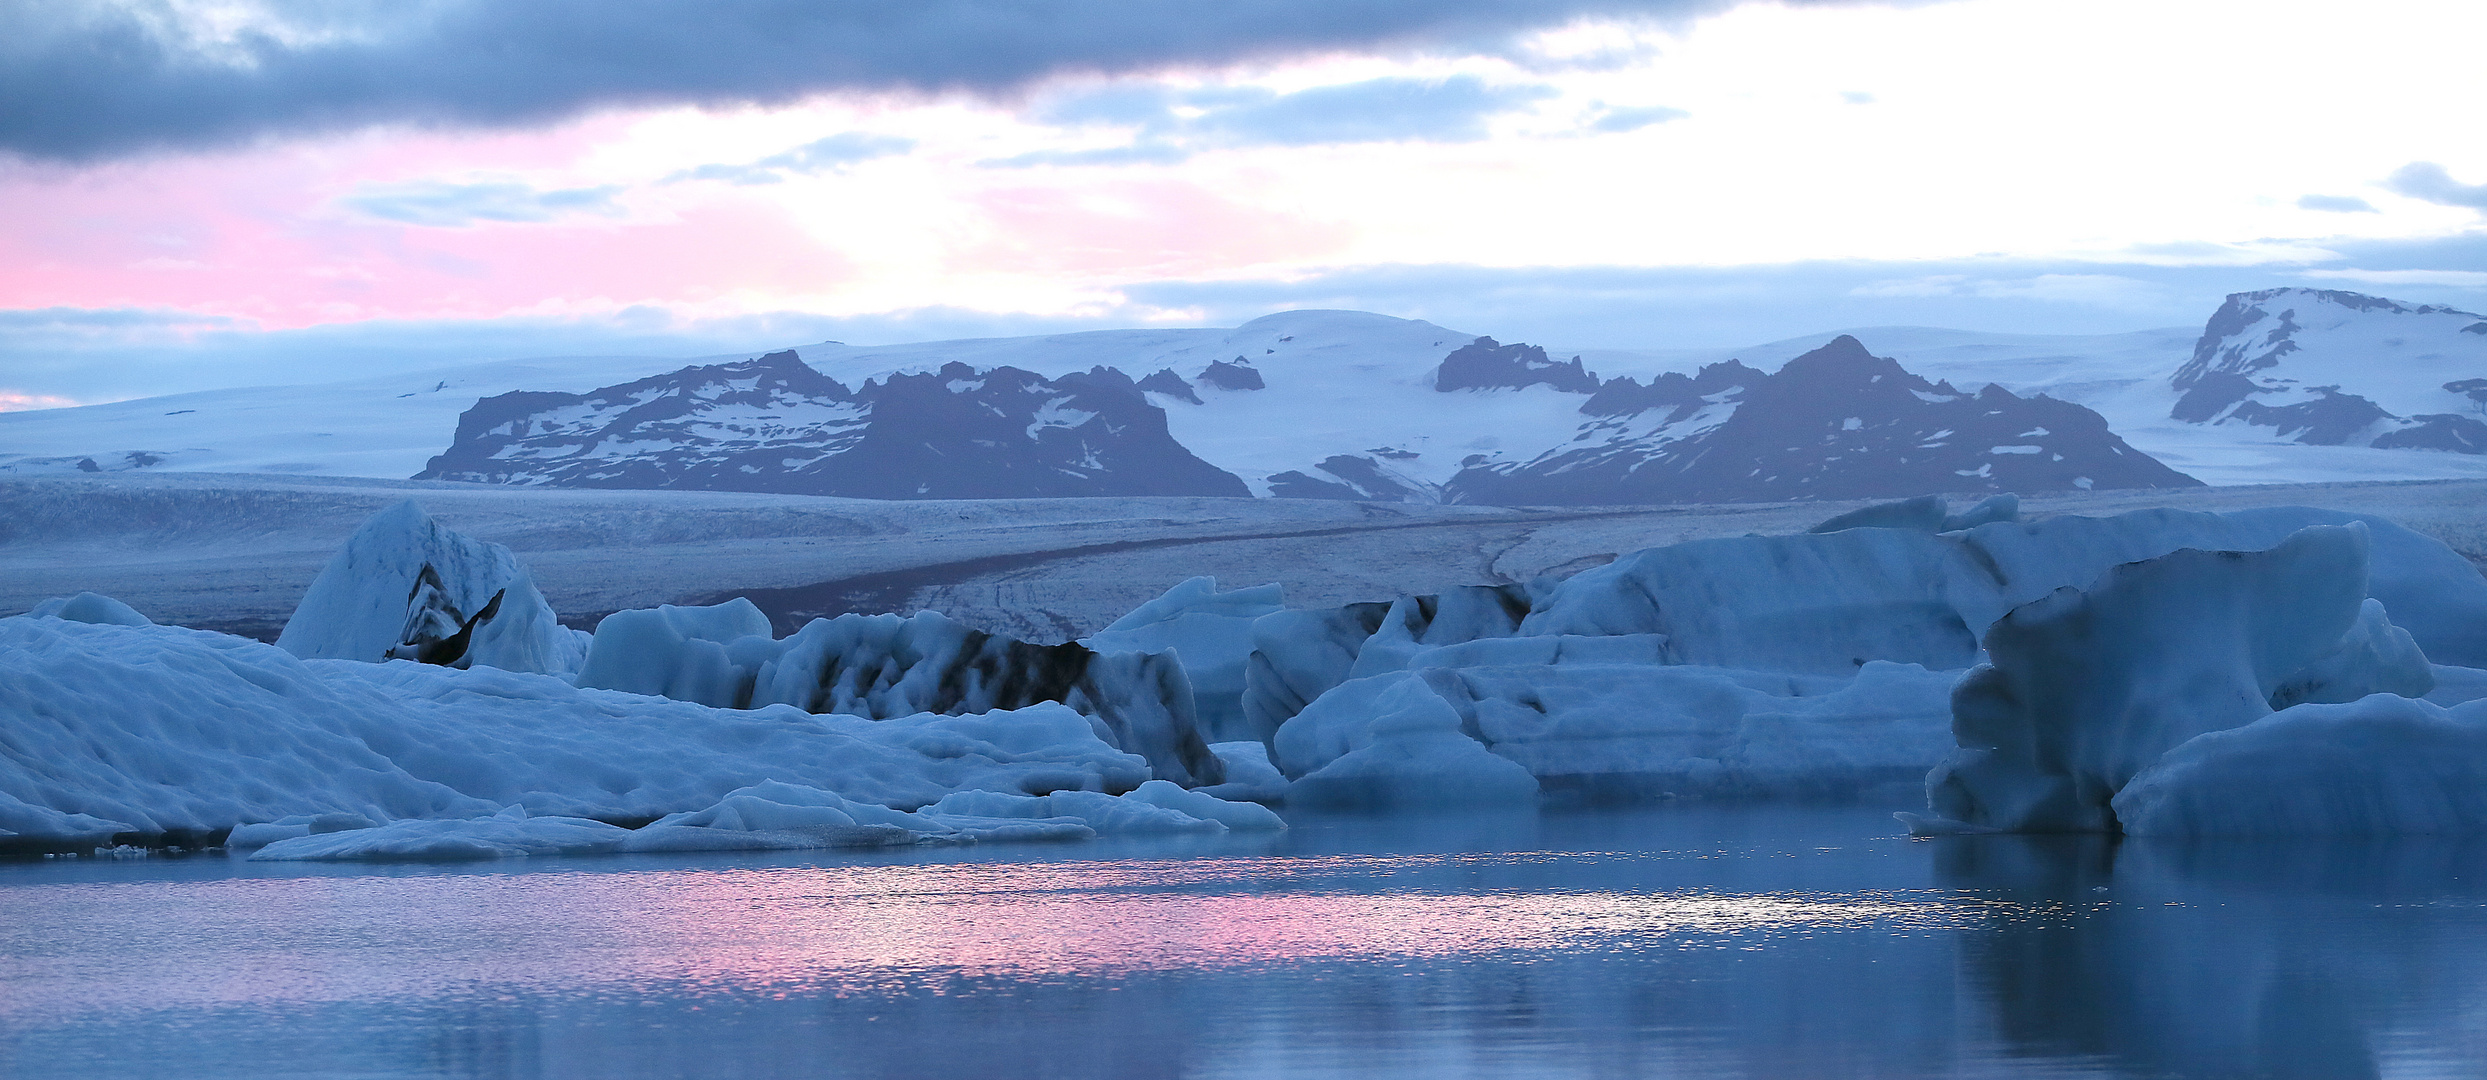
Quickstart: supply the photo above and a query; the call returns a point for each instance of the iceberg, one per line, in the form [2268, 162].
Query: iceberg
[886, 666]
[1601, 718]
[1211, 632]
[1411, 753]
[1815, 603]
[2381, 765]
[165, 732]
[403, 587]
[2084, 689]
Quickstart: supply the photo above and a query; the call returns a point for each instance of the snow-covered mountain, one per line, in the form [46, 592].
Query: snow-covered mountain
[1303, 403]
[1837, 419]
[773, 424]
[2330, 368]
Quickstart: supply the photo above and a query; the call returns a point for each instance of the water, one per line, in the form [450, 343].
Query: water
[1673, 941]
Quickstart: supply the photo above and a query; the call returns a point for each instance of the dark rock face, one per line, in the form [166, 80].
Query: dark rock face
[1837, 422]
[773, 424]
[2331, 419]
[1236, 374]
[1170, 384]
[1485, 364]
[1343, 476]
[2438, 431]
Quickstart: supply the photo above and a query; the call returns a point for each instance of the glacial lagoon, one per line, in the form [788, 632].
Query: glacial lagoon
[1690, 940]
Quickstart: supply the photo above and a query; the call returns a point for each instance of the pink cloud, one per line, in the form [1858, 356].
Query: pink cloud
[262, 236]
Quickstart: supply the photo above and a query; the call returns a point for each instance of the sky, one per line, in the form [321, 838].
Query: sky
[206, 193]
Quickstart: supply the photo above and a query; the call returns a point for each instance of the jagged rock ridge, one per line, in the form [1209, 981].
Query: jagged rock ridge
[773, 424]
[1837, 422]
[1485, 364]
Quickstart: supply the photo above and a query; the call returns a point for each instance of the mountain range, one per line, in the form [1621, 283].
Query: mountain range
[1354, 405]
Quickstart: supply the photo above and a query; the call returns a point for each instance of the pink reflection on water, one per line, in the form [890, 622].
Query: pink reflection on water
[840, 929]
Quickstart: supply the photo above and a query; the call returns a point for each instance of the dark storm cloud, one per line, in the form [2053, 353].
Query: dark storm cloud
[1172, 124]
[2428, 180]
[82, 80]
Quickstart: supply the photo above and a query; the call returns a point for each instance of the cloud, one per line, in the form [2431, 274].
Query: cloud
[13, 401]
[2104, 290]
[2428, 181]
[84, 80]
[1636, 118]
[823, 155]
[1173, 124]
[1856, 97]
[2459, 279]
[2338, 204]
[454, 206]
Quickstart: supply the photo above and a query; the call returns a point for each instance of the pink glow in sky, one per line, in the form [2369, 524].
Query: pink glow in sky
[2268, 135]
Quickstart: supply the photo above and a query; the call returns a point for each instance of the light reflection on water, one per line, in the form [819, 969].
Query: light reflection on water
[1677, 941]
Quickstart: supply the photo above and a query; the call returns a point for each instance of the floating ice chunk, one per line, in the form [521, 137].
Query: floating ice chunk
[1239, 816]
[1412, 753]
[680, 652]
[780, 816]
[2456, 685]
[1297, 656]
[2374, 657]
[161, 730]
[1814, 604]
[1924, 513]
[1250, 776]
[885, 665]
[2380, 765]
[261, 834]
[1604, 717]
[403, 586]
[1991, 509]
[1210, 631]
[87, 607]
[2430, 590]
[1106, 815]
[501, 837]
[2086, 689]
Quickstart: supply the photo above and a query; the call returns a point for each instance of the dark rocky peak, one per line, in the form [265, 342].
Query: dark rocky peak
[1843, 378]
[2475, 328]
[1236, 374]
[1623, 395]
[1170, 384]
[1844, 361]
[1485, 364]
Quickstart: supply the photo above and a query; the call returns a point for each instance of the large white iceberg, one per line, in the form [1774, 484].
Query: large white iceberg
[1605, 717]
[1212, 632]
[2087, 688]
[166, 732]
[885, 666]
[404, 587]
[1819, 603]
[2382, 765]
[1297, 656]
